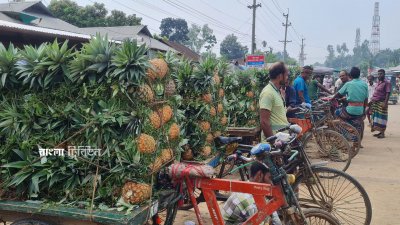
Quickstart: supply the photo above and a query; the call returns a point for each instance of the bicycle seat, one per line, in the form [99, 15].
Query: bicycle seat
[228, 140]
[260, 148]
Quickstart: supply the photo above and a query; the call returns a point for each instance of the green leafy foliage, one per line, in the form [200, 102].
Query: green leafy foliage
[8, 57]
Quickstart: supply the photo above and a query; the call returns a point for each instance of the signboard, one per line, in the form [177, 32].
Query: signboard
[255, 60]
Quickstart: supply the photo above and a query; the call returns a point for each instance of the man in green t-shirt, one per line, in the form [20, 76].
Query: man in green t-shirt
[315, 86]
[272, 103]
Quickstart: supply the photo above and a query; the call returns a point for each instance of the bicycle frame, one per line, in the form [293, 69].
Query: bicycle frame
[258, 190]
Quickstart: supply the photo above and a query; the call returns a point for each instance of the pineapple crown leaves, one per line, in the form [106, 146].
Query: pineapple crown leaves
[130, 63]
[8, 57]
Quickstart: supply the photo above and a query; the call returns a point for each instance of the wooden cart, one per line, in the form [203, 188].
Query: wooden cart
[24, 213]
[251, 135]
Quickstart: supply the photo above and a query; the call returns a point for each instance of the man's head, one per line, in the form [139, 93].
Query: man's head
[260, 173]
[344, 76]
[355, 72]
[381, 74]
[307, 72]
[279, 73]
[318, 78]
[370, 79]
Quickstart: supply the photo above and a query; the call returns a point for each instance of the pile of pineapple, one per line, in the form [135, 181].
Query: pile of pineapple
[107, 96]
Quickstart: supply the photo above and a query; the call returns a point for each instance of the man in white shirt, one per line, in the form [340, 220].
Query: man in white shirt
[371, 90]
[327, 82]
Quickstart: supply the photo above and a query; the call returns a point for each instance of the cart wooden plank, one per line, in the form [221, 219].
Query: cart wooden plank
[138, 216]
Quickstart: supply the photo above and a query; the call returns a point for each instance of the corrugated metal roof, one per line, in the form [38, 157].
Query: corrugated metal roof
[17, 6]
[42, 30]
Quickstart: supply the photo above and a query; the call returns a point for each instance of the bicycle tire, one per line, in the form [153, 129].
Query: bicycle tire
[319, 216]
[350, 203]
[167, 215]
[328, 145]
[350, 133]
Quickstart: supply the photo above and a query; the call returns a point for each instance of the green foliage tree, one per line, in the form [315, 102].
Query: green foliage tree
[95, 15]
[175, 30]
[200, 37]
[232, 49]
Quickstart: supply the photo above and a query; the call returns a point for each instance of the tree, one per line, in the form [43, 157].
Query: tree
[232, 49]
[95, 15]
[175, 30]
[200, 37]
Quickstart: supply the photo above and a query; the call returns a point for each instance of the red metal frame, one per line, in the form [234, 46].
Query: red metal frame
[258, 190]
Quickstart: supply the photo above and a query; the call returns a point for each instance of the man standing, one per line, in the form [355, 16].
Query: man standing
[379, 105]
[327, 82]
[240, 206]
[290, 99]
[343, 78]
[371, 90]
[356, 93]
[300, 86]
[315, 86]
[272, 104]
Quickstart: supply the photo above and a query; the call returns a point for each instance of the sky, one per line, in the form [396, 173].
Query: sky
[320, 22]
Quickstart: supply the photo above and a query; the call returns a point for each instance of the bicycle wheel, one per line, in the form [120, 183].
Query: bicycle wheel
[167, 213]
[350, 133]
[330, 146]
[319, 217]
[335, 192]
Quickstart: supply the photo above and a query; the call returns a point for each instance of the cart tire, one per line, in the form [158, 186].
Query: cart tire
[30, 222]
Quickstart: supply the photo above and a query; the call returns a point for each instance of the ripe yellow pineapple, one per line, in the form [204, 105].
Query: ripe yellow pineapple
[252, 108]
[159, 68]
[155, 120]
[134, 193]
[187, 154]
[146, 94]
[156, 165]
[165, 113]
[221, 93]
[205, 126]
[220, 108]
[213, 112]
[206, 151]
[170, 88]
[217, 134]
[207, 98]
[146, 144]
[166, 155]
[224, 120]
[250, 94]
[174, 131]
[216, 79]
[209, 138]
[252, 122]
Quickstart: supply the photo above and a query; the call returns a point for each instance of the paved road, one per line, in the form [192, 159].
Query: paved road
[376, 167]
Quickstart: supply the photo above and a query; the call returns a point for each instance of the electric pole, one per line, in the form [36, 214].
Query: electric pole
[286, 25]
[253, 33]
[302, 56]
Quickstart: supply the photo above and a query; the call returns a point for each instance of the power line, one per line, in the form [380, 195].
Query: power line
[253, 32]
[230, 16]
[285, 41]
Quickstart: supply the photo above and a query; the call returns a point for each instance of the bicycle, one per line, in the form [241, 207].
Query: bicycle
[280, 194]
[322, 187]
[322, 143]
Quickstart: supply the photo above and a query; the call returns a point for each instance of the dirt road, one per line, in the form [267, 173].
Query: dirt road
[376, 167]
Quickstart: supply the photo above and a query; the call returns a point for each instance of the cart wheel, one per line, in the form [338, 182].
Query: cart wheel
[30, 222]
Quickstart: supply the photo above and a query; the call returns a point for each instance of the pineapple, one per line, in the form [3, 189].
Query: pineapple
[166, 155]
[250, 94]
[146, 144]
[156, 165]
[213, 112]
[134, 193]
[165, 113]
[170, 88]
[155, 120]
[252, 107]
[187, 154]
[174, 131]
[210, 138]
[252, 122]
[217, 134]
[206, 151]
[207, 98]
[159, 69]
[205, 126]
[224, 120]
[221, 93]
[220, 108]
[146, 94]
[216, 79]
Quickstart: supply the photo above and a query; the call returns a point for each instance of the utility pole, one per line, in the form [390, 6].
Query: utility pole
[253, 33]
[286, 25]
[302, 56]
